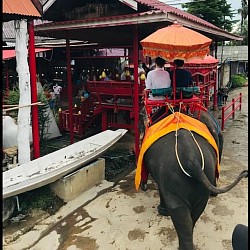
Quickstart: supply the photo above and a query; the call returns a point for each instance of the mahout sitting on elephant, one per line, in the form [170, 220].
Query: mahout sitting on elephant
[185, 164]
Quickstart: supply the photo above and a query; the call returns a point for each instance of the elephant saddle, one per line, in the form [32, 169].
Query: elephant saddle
[169, 124]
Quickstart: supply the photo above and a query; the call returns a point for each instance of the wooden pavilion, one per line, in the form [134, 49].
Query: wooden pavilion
[117, 23]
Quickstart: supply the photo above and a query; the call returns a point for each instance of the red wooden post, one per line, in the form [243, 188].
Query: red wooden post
[215, 92]
[223, 118]
[136, 91]
[174, 84]
[240, 101]
[70, 98]
[206, 96]
[197, 80]
[34, 108]
[233, 108]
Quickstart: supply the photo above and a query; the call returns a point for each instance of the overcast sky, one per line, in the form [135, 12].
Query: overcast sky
[235, 5]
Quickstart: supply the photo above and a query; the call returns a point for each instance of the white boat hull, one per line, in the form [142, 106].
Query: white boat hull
[51, 167]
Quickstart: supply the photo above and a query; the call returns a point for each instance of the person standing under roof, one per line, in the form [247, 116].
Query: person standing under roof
[141, 70]
[125, 74]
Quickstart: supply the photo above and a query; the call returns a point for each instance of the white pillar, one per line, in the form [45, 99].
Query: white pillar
[23, 142]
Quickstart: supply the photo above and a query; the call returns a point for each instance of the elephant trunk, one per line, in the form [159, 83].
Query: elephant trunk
[216, 190]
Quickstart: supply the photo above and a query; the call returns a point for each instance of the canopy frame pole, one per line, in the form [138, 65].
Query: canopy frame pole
[215, 100]
[136, 90]
[174, 83]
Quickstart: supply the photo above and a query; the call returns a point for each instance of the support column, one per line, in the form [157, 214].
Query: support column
[70, 98]
[136, 91]
[33, 84]
[215, 92]
[22, 68]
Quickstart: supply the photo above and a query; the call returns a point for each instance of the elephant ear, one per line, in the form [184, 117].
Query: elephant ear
[213, 127]
[207, 119]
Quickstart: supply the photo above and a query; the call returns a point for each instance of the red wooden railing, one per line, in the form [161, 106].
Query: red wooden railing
[234, 106]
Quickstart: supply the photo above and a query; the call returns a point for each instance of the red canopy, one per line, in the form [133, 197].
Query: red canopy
[202, 67]
[207, 60]
[8, 54]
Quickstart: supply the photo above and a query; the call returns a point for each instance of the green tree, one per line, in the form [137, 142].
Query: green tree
[242, 31]
[245, 32]
[43, 117]
[244, 13]
[217, 12]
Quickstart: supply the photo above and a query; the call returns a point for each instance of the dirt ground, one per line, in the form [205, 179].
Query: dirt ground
[119, 218]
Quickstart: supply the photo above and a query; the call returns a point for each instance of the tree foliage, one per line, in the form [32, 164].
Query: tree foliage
[243, 11]
[43, 117]
[217, 12]
[242, 31]
[245, 32]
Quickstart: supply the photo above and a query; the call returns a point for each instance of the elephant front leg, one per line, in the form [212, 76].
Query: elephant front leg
[162, 209]
[183, 224]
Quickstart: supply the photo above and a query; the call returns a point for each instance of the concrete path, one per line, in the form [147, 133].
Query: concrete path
[123, 219]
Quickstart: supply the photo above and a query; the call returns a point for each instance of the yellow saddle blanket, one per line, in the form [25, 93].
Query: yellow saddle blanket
[169, 124]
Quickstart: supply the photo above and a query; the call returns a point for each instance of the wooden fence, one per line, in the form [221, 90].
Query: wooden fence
[235, 104]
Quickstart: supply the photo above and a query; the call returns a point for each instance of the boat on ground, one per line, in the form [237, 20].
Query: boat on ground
[51, 167]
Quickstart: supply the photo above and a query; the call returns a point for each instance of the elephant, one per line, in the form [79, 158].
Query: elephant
[182, 197]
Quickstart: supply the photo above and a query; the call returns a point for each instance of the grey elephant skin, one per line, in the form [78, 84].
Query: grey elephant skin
[184, 197]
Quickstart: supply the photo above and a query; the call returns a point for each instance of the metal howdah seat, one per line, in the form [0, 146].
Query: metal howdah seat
[187, 97]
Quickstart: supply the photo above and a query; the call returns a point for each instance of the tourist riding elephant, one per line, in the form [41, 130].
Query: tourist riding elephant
[184, 197]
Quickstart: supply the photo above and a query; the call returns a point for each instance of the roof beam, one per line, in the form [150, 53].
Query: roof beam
[47, 5]
[135, 19]
[200, 27]
[130, 3]
[105, 22]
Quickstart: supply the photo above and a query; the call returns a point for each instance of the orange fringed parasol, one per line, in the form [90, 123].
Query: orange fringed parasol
[176, 42]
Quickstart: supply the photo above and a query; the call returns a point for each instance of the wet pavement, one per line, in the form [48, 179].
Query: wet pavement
[118, 217]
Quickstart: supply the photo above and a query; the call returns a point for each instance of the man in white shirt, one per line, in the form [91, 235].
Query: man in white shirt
[158, 78]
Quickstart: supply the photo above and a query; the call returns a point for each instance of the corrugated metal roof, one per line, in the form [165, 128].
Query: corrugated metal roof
[232, 53]
[157, 5]
[20, 7]
[8, 30]
[130, 19]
